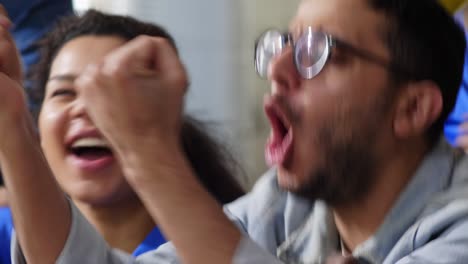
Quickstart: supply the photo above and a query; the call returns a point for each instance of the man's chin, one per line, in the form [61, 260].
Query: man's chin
[305, 186]
[287, 179]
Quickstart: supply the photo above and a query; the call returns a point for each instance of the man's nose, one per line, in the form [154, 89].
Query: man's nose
[282, 72]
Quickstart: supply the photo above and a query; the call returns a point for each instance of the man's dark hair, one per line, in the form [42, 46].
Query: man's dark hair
[213, 164]
[425, 41]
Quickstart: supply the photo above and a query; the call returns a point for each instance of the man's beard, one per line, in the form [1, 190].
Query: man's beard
[349, 162]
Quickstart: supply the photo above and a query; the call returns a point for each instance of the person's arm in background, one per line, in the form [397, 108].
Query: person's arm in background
[39, 206]
[31, 20]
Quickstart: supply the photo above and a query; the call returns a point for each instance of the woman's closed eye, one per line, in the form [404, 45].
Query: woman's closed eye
[63, 92]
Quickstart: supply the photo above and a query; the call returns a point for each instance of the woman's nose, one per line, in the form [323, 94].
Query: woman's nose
[78, 108]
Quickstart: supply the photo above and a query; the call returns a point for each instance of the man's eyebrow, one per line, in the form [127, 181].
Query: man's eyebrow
[63, 77]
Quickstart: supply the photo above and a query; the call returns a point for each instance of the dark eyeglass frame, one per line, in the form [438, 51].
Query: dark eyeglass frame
[331, 43]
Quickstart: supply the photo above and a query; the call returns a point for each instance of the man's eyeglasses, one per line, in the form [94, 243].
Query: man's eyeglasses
[311, 52]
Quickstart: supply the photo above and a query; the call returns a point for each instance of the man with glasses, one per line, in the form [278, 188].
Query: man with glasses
[360, 91]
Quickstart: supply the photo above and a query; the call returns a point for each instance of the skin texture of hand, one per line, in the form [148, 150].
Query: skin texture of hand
[135, 98]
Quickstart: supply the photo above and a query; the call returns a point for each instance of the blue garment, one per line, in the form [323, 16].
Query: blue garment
[460, 111]
[152, 241]
[31, 20]
[6, 228]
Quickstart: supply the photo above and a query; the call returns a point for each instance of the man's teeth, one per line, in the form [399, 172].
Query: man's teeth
[90, 142]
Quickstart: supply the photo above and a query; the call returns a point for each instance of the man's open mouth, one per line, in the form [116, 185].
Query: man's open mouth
[280, 141]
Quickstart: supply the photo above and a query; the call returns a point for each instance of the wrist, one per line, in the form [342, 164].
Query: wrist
[152, 159]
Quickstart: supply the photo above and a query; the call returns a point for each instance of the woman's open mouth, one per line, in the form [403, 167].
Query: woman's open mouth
[90, 153]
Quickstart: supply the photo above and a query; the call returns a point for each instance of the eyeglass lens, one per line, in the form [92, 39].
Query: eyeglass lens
[311, 51]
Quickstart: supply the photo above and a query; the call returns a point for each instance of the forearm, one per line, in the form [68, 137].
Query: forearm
[3, 196]
[187, 214]
[40, 209]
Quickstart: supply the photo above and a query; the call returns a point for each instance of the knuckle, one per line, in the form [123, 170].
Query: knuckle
[140, 43]
[143, 40]
[145, 43]
[161, 40]
[149, 42]
[115, 68]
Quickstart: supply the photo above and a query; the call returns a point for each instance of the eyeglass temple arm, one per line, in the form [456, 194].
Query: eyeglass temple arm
[371, 57]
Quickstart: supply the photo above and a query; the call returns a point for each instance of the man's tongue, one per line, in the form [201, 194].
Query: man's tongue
[280, 142]
[278, 146]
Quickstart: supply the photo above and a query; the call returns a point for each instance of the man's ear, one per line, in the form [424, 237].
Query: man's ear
[418, 105]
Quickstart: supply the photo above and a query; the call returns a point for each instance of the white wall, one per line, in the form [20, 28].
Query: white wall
[215, 39]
